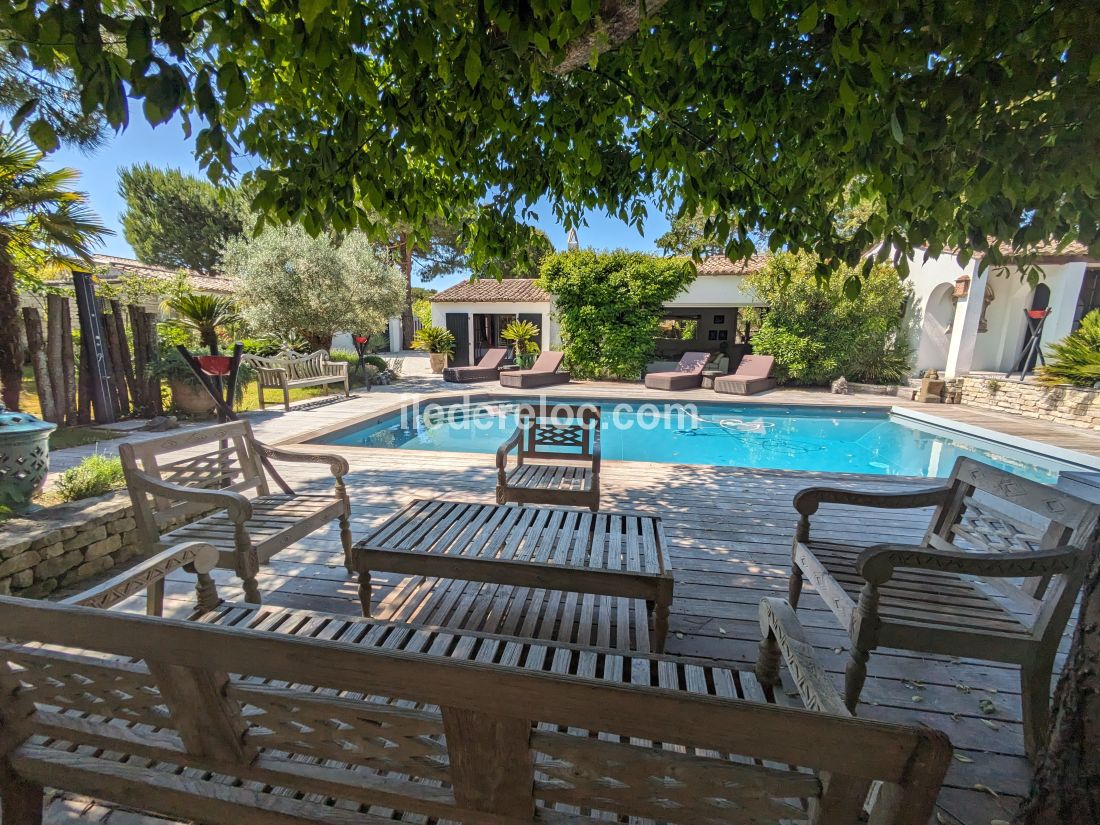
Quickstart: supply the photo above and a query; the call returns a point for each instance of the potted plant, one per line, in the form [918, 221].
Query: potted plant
[522, 335]
[438, 342]
[188, 394]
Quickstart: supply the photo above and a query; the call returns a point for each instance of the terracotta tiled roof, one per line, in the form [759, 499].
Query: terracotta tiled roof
[1049, 252]
[486, 290]
[721, 265]
[196, 280]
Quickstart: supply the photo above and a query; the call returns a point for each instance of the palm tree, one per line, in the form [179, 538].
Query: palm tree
[203, 314]
[42, 220]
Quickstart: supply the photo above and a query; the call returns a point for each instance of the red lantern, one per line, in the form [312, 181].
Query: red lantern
[359, 339]
[214, 364]
[1038, 313]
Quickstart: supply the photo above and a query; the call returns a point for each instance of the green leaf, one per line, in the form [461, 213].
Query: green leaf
[582, 9]
[22, 113]
[895, 128]
[138, 40]
[310, 9]
[473, 67]
[1094, 68]
[756, 9]
[43, 136]
[852, 287]
[807, 21]
[847, 95]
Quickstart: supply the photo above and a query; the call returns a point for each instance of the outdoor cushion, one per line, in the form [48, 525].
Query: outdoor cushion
[753, 375]
[688, 373]
[542, 373]
[487, 369]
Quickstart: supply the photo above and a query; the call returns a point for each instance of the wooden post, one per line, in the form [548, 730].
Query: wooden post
[68, 363]
[152, 384]
[491, 764]
[32, 319]
[141, 364]
[55, 331]
[114, 346]
[84, 407]
[127, 366]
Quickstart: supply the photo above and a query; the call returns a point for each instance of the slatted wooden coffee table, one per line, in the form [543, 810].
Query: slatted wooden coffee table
[554, 548]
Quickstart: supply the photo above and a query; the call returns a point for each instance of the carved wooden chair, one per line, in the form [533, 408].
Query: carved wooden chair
[995, 577]
[564, 440]
[206, 472]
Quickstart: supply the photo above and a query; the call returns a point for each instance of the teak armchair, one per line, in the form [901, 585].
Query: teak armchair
[995, 577]
[565, 440]
[206, 472]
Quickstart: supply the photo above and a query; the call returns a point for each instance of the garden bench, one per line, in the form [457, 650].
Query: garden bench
[995, 577]
[267, 715]
[564, 442]
[206, 472]
[287, 372]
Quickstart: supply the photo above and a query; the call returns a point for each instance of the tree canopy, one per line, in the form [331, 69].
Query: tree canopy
[177, 220]
[289, 282]
[968, 125]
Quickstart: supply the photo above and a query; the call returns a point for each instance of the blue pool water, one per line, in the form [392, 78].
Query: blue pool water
[763, 436]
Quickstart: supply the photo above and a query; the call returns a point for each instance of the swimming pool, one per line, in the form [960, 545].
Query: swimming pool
[768, 436]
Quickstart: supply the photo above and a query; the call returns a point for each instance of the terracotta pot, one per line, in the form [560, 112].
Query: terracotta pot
[190, 399]
[438, 361]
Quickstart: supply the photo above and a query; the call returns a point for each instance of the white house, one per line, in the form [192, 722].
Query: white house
[705, 316]
[962, 320]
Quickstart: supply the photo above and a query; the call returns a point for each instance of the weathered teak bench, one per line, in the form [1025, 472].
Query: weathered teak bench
[285, 372]
[565, 443]
[193, 472]
[260, 715]
[994, 578]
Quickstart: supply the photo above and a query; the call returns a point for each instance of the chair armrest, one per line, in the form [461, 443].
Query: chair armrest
[783, 636]
[337, 464]
[239, 507]
[807, 501]
[877, 564]
[502, 450]
[199, 556]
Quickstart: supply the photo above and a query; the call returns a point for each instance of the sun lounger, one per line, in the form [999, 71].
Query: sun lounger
[487, 369]
[543, 373]
[687, 375]
[753, 375]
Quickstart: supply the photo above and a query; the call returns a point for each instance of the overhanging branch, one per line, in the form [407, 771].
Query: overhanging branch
[618, 21]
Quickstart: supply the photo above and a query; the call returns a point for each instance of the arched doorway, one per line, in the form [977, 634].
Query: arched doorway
[935, 339]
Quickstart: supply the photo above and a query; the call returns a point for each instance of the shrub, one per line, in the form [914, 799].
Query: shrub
[434, 339]
[261, 346]
[287, 280]
[610, 305]
[94, 476]
[1076, 358]
[422, 309]
[818, 333]
[376, 361]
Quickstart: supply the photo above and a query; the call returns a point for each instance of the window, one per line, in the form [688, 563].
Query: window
[678, 329]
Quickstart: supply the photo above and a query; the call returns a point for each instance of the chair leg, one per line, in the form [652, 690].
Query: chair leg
[794, 586]
[260, 395]
[252, 590]
[1035, 696]
[286, 397]
[21, 801]
[854, 677]
[364, 592]
[345, 540]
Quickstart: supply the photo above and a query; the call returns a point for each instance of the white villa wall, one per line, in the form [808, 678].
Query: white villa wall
[932, 310]
[549, 324]
[716, 291]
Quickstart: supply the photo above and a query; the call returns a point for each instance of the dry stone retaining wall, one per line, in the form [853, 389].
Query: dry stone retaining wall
[59, 546]
[1064, 405]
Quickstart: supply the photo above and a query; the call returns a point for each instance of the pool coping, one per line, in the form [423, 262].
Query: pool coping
[1078, 462]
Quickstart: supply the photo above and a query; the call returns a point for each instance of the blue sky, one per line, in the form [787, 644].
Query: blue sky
[166, 146]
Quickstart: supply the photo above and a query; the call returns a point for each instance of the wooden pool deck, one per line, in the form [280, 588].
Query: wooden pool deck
[729, 531]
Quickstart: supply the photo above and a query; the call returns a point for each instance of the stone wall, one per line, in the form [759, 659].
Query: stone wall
[60, 546]
[1064, 405]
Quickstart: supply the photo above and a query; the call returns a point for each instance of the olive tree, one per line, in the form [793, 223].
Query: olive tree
[288, 281]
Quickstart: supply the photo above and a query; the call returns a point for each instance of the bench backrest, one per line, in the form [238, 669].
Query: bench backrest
[296, 366]
[220, 457]
[558, 430]
[994, 511]
[475, 729]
